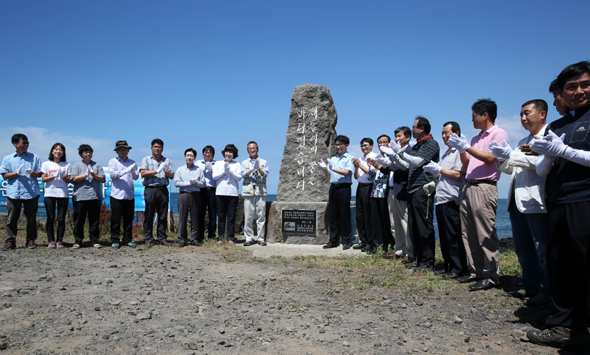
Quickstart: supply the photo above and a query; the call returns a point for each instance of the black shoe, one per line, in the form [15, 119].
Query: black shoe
[467, 278]
[440, 272]
[411, 265]
[31, 244]
[483, 284]
[556, 336]
[9, 246]
[371, 251]
[330, 246]
[521, 294]
[450, 276]
[407, 260]
[165, 243]
[197, 243]
[346, 246]
[359, 246]
[182, 244]
[423, 268]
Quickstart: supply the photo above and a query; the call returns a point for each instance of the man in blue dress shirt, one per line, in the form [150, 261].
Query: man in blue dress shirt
[339, 169]
[21, 170]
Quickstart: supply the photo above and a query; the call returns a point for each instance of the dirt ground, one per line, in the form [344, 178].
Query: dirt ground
[224, 300]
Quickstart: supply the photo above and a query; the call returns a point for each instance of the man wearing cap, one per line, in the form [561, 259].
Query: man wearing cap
[123, 171]
[21, 170]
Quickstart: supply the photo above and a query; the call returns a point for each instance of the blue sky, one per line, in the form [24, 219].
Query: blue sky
[200, 72]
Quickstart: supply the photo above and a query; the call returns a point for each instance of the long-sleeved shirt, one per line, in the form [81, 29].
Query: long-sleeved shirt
[227, 180]
[121, 182]
[526, 187]
[183, 176]
[22, 187]
[209, 180]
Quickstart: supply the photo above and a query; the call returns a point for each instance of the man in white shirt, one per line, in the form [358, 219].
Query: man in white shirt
[123, 171]
[526, 204]
[363, 192]
[189, 179]
[254, 173]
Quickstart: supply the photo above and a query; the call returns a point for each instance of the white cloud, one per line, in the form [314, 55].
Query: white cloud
[513, 127]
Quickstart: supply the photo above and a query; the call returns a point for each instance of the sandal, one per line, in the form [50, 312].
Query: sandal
[97, 246]
[231, 242]
[76, 246]
[219, 242]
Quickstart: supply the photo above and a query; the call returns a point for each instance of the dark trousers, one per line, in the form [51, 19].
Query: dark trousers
[208, 205]
[421, 226]
[62, 209]
[339, 207]
[14, 206]
[122, 209]
[226, 209]
[188, 203]
[568, 263]
[451, 240]
[381, 228]
[363, 212]
[156, 200]
[83, 209]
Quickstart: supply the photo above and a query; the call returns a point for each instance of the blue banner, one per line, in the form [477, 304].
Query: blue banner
[106, 189]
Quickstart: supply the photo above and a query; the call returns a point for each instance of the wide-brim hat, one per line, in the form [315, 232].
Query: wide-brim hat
[121, 144]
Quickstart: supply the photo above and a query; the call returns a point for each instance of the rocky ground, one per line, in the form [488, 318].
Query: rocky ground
[223, 300]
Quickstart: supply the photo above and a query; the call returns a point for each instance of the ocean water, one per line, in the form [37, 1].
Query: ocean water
[502, 218]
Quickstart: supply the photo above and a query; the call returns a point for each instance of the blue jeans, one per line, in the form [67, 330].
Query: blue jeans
[529, 233]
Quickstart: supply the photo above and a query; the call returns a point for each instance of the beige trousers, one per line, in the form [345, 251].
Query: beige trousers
[478, 228]
[398, 218]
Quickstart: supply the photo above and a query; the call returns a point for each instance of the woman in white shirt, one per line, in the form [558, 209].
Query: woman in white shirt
[56, 176]
[228, 174]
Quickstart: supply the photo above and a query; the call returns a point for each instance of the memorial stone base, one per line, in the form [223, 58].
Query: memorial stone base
[275, 223]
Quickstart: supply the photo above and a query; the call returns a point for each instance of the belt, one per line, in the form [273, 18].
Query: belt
[189, 192]
[155, 186]
[365, 184]
[342, 184]
[477, 182]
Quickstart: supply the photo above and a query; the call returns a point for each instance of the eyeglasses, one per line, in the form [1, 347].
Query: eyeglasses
[473, 115]
[25, 143]
[156, 147]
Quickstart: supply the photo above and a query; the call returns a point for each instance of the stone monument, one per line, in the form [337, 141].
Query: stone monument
[299, 215]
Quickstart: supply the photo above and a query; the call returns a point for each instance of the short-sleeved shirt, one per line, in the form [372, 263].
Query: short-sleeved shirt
[343, 162]
[23, 187]
[448, 189]
[363, 179]
[149, 163]
[429, 151]
[89, 188]
[56, 188]
[477, 169]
